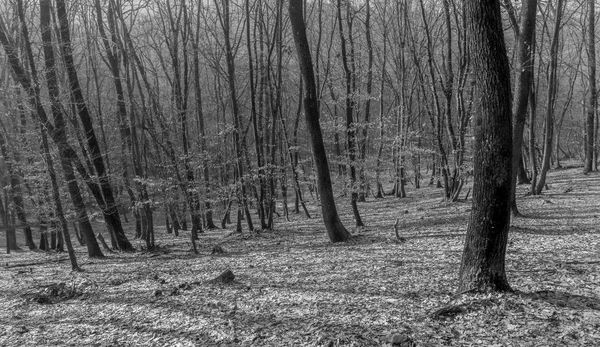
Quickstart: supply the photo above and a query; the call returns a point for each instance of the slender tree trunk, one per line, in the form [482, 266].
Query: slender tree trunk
[335, 229]
[57, 133]
[53, 90]
[11, 236]
[369, 89]
[16, 194]
[482, 267]
[106, 199]
[380, 193]
[524, 76]
[210, 224]
[551, 99]
[532, 153]
[258, 139]
[350, 126]
[225, 25]
[293, 166]
[7, 173]
[592, 96]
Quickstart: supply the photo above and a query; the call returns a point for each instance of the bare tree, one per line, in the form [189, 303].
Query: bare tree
[350, 80]
[104, 192]
[57, 131]
[592, 96]
[482, 267]
[51, 80]
[523, 85]
[550, 98]
[225, 22]
[335, 229]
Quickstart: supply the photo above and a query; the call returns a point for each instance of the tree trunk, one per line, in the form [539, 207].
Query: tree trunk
[57, 133]
[64, 225]
[16, 193]
[592, 98]
[106, 199]
[11, 237]
[350, 126]
[482, 267]
[225, 24]
[551, 99]
[335, 229]
[524, 75]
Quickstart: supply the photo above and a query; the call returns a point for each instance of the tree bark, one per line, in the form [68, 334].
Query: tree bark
[57, 133]
[51, 80]
[225, 25]
[524, 76]
[210, 224]
[11, 236]
[16, 193]
[350, 126]
[551, 99]
[592, 96]
[482, 267]
[335, 229]
[7, 176]
[106, 200]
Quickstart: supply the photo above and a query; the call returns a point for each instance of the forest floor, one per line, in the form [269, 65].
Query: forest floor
[293, 287]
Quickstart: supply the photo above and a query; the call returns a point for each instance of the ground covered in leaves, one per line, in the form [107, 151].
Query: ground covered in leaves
[292, 287]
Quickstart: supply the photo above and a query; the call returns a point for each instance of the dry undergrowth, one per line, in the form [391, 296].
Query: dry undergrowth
[294, 288]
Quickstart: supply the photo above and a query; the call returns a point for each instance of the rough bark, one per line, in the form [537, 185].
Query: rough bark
[482, 267]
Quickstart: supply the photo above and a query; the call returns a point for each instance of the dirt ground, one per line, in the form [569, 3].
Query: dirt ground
[292, 287]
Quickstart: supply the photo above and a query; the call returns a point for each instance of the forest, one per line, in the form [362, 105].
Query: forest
[299, 172]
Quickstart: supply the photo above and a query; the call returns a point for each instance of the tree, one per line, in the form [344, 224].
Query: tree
[57, 131]
[5, 179]
[238, 141]
[592, 99]
[350, 79]
[106, 199]
[551, 98]
[482, 266]
[523, 85]
[335, 229]
[15, 191]
[52, 82]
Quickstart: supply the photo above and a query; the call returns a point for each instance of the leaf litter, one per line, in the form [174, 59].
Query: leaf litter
[292, 287]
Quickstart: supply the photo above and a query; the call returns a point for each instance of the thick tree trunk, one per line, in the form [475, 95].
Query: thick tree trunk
[482, 267]
[335, 229]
